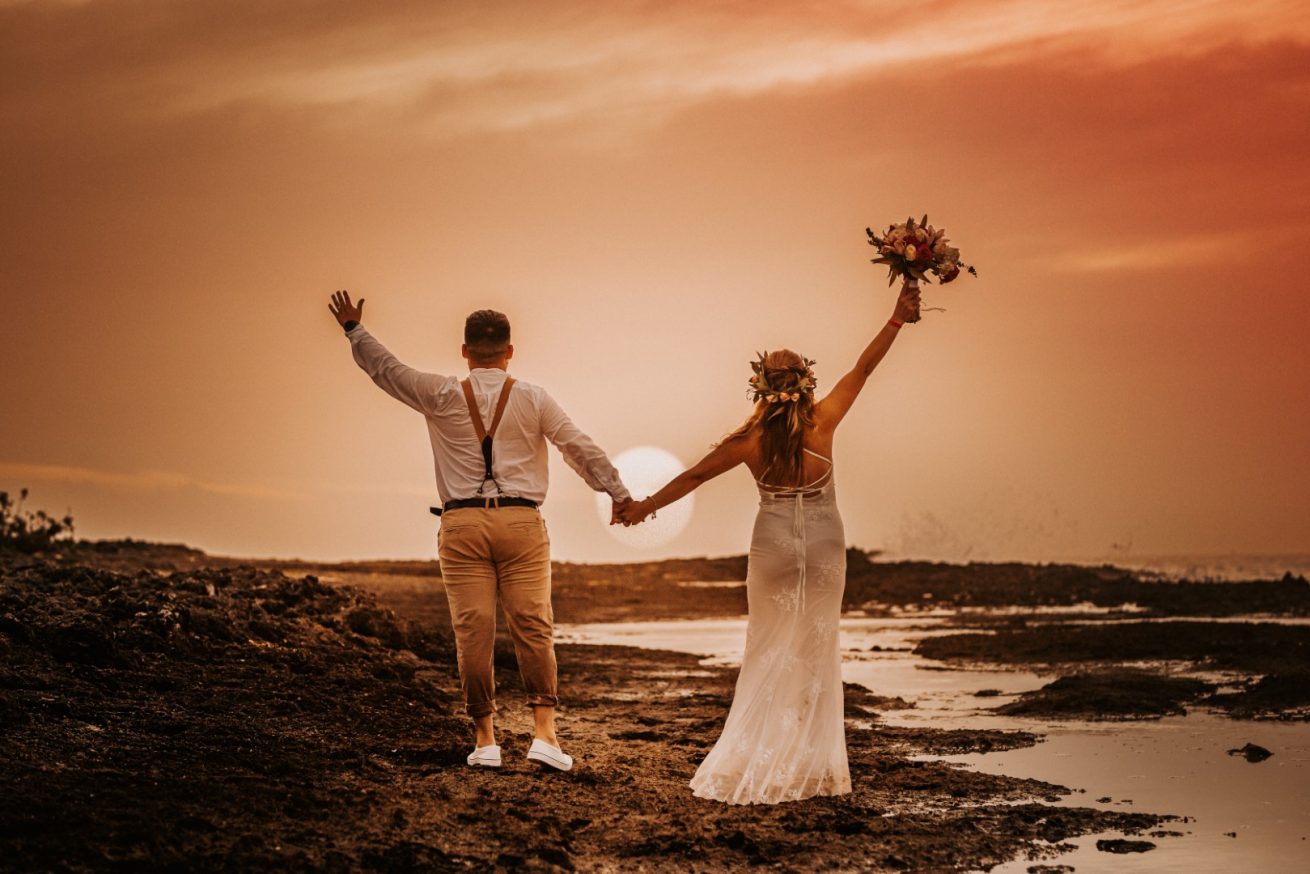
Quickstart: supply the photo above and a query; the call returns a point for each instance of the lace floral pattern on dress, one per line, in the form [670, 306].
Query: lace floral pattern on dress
[788, 601]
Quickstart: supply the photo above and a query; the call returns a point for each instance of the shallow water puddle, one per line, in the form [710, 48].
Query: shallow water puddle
[1242, 816]
[1176, 766]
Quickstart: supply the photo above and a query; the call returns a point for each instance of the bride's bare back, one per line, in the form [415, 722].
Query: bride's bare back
[815, 440]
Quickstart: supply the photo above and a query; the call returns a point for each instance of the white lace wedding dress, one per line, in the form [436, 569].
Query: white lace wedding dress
[785, 737]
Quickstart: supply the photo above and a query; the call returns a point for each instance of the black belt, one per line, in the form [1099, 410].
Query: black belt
[485, 503]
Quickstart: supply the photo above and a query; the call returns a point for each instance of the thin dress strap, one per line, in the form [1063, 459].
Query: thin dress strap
[818, 482]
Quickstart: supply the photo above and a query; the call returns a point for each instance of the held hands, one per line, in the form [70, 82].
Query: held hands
[616, 511]
[344, 310]
[907, 305]
[634, 512]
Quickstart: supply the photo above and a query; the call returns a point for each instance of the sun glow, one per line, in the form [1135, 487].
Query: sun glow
[645, 469]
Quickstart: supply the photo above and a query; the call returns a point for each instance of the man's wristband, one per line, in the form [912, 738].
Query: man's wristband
[895, 323]
[350, 325]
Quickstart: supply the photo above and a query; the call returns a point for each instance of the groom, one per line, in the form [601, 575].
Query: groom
[489, 434]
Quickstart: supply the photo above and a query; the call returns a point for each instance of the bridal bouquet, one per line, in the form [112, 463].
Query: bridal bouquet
[914, 250]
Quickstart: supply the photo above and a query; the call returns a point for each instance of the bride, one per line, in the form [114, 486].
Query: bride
[785, 736]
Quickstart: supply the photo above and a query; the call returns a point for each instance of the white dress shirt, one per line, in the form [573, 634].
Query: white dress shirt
[531, 418]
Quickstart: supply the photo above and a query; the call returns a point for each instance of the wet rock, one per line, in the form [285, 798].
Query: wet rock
[1120, 845]
[874, 585]
[1257, 647]
[957, 741]
[1284, 694]
[860, 701]
[1117, 694]
[1251, 752]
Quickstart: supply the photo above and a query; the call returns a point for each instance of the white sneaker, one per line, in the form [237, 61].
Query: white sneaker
[552, 757]
[485, 757]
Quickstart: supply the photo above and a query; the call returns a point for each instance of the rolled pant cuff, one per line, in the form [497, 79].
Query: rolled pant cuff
[480, 708]
[537, 699]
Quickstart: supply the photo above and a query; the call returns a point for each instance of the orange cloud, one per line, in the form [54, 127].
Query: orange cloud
[163, 480]
[471, 67]
[1165, 250]
[148, 480]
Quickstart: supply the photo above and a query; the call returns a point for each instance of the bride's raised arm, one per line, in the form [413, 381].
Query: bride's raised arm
[834, 407]
[721, 459]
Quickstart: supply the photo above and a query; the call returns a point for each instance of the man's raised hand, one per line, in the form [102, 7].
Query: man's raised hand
[344, 310]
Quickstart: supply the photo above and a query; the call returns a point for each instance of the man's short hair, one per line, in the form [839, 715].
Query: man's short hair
[486, 333]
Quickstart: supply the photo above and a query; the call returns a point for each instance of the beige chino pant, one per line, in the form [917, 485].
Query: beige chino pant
[505, 552]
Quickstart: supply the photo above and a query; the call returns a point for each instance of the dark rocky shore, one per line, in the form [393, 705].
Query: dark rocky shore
[220, 716]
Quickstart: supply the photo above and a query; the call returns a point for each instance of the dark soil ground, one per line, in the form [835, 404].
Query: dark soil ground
[228, 717]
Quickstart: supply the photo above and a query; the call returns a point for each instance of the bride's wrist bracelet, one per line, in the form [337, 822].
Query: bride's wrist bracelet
[895, 323]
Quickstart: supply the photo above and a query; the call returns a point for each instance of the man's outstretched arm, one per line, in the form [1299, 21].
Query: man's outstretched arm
[404, 383]
[582, 454]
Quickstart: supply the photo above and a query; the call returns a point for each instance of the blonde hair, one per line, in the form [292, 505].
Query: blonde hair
[782, 421]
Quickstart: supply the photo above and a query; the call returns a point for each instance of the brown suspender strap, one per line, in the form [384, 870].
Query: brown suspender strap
[500, 405]
[473, 409]
[484, 436]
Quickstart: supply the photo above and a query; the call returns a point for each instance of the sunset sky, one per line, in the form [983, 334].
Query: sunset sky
[653, 192]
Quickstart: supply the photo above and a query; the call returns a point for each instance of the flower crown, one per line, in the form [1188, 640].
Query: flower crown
[759, 388]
